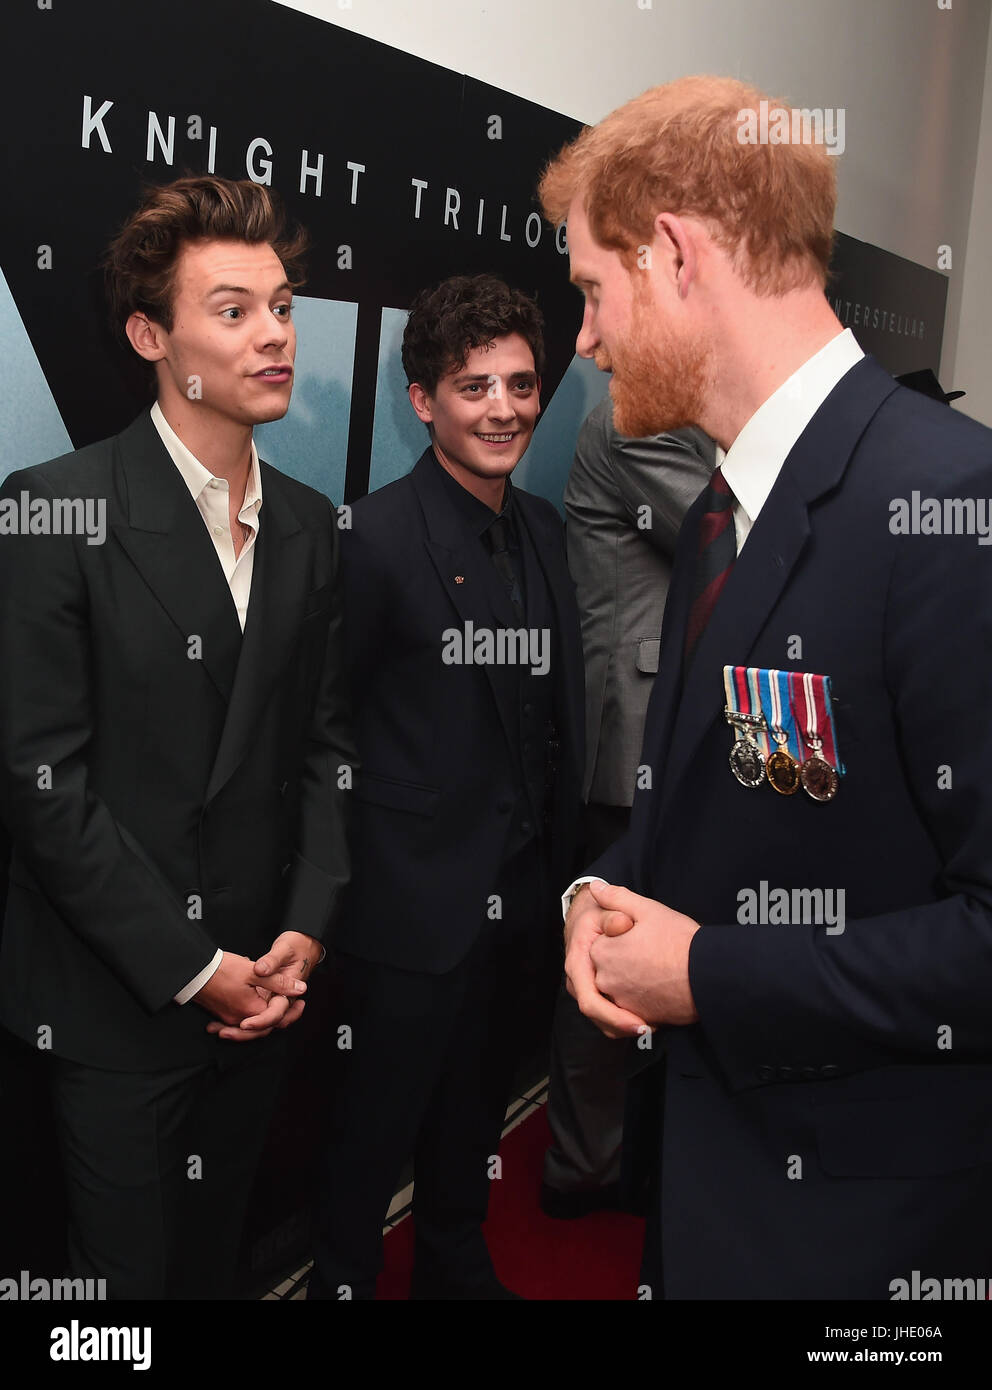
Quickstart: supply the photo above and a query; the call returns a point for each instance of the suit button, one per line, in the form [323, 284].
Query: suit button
[831, 1069]
[504, 806]
[528, 709]
[526, 826]
[809, 1073]
[766, 1073]
[787, 1073]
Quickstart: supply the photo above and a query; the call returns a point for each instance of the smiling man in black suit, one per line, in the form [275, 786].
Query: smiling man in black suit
[466, 667]
[172, 730]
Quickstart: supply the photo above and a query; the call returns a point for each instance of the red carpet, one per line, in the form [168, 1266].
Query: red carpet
[595, 1257]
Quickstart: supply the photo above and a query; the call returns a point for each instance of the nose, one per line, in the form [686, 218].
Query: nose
[274, 332]
[587, 340]
[501, 407]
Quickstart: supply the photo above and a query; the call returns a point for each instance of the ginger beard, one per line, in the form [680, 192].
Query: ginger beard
[658, 379]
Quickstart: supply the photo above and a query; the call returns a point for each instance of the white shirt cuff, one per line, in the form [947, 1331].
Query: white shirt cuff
[198, 981]
[573, 888]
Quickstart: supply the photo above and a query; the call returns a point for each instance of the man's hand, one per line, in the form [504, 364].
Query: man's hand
[644, 968]
[278, 976]
[236, 997]
[585, 925]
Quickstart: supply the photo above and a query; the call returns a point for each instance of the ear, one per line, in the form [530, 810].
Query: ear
[146, 337]
[421, 402]
[675, 246]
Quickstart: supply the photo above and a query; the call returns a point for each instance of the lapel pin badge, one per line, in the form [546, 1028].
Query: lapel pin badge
[459, 579]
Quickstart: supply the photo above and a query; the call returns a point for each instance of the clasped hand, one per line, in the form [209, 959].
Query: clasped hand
[250, 998]
[627, 960]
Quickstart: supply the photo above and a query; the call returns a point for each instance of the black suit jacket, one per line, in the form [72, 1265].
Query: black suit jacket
[832, 1048]
[439, 744]
[193, 796]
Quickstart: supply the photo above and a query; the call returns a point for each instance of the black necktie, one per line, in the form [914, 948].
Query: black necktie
[498, 533]
[715, 558]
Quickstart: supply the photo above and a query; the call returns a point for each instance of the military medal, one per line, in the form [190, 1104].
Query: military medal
[819, 780]
[746, 761]
[781, 768]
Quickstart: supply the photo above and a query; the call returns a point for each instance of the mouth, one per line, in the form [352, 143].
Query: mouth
[498, 441]
[279, 374]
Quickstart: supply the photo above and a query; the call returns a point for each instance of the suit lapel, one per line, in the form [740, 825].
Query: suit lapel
[467, 575]
[275, 610]
[546, 542]
[169, 546]
[774, 548]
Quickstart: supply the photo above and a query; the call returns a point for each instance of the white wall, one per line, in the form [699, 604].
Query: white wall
[908, 73]
[974, 363]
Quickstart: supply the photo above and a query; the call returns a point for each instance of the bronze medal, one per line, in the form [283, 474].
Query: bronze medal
[819, 779]
[746, 763]
[782, 771]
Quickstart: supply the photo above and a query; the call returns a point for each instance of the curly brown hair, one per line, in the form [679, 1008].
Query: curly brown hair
[462, 313]
[140, 263]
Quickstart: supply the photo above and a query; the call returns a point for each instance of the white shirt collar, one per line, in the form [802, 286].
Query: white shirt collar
[193, 473]
[754, 460]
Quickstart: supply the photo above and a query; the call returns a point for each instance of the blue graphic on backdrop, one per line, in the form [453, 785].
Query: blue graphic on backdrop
[545, 467]
[310, 442]
[398, 437]
[30, 424]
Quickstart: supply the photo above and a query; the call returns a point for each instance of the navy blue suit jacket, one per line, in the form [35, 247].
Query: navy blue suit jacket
[832, 1048]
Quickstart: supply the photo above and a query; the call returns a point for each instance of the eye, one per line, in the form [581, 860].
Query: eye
[283, 310]
[232, 311]
[473, 386]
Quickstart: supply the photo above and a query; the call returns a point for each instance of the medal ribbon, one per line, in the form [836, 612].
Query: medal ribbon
[752, 676]
[742, 696]
[728, 689]
[818, 720]
[781, 718]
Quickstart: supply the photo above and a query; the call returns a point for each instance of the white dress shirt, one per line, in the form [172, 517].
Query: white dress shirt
[212, 496]
[754, 460]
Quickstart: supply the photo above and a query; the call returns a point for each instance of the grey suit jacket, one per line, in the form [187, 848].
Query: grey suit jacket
[624, 503]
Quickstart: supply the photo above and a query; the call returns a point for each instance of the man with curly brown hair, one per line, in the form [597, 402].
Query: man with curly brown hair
[466, 668]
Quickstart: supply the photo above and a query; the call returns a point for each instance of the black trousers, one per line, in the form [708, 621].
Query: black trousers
[158, 1169]
[588, 1070]
[426, 1071]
